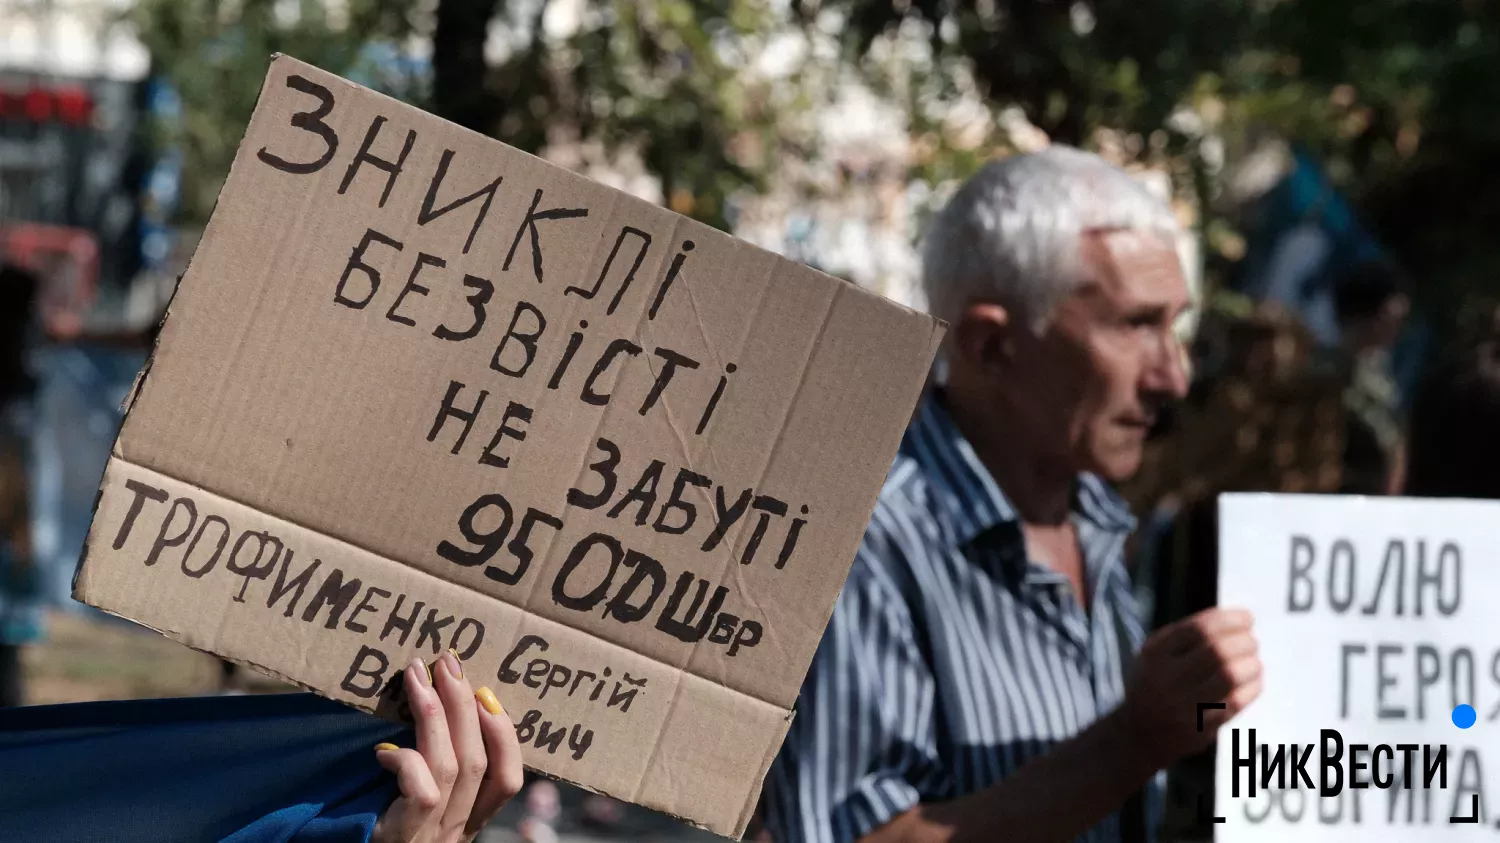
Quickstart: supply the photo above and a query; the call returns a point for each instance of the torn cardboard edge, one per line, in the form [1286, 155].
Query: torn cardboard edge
[180, 433]
[104, 580]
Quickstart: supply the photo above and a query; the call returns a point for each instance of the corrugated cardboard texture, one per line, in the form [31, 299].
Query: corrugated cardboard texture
[418, 390]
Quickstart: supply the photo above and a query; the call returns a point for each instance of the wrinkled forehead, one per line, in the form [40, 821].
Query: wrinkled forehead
[1133, 266]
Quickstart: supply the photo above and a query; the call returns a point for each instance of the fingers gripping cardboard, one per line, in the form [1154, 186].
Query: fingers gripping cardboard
[420, 390]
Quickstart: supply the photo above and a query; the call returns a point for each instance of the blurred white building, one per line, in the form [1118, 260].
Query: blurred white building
[854, 209]
[71, 38]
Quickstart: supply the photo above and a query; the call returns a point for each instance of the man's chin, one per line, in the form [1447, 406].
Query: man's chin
[1118, 466]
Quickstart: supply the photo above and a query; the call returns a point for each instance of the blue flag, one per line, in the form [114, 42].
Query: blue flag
[246, 769]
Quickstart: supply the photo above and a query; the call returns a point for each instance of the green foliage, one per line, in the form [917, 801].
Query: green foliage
[1395, 96]
[665, 77]
[215, 53]
[661, 77]
[1068, 67]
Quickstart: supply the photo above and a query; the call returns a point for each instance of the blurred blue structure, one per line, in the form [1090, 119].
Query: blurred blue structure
[77, 414]
[385, 67]
[163, 182]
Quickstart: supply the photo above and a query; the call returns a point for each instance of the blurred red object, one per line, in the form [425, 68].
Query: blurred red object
[73, 105]
[67, 262]
[70, 104]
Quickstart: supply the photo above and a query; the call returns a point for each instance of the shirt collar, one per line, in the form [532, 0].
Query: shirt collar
[965, 494]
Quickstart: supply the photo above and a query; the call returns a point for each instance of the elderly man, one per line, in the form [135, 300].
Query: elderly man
[983, 676]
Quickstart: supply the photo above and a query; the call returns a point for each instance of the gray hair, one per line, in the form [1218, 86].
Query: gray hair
[1011, 233]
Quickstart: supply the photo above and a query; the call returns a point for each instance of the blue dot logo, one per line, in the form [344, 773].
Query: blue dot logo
[1464, 716]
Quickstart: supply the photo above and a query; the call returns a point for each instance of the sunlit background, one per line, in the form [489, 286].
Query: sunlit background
[1298, 140]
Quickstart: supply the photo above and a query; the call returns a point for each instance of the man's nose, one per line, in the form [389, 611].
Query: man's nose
[1167, 374]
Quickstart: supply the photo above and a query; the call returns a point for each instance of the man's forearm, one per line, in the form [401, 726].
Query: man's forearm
[1051, 799]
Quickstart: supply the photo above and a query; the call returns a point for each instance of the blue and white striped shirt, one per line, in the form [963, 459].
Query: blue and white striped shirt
[951, 659]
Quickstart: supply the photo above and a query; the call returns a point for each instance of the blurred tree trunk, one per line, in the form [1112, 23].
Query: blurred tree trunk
[459, 90]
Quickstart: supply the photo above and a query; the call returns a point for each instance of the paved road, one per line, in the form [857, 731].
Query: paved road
[642, 826]
[636, 824]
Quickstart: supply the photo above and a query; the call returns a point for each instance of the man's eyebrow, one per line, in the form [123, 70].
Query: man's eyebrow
[1171, 311]
[1144, 231]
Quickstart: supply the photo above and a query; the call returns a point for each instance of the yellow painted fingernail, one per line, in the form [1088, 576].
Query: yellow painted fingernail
[454, 664]
[490, 703]
[385, 747]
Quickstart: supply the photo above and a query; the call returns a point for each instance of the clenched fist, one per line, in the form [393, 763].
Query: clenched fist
[1210, 657]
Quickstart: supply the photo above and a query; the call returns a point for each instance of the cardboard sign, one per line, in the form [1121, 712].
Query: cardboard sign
[1375, 620]
[418, 390]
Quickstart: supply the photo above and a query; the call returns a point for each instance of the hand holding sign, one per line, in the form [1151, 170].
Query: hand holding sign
[1209, 656]
[466, 766]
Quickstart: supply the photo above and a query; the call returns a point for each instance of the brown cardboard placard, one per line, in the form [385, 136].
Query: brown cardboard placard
[420, 390]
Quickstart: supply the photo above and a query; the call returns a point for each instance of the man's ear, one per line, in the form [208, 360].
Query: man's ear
[983, 335]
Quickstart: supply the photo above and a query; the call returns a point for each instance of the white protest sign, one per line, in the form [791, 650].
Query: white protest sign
[1376, 620]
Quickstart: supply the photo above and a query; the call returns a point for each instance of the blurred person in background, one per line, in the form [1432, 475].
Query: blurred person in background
[20, 587]
[1372, 308]
[1266, 416]
[985, 674]
[1278, 413]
